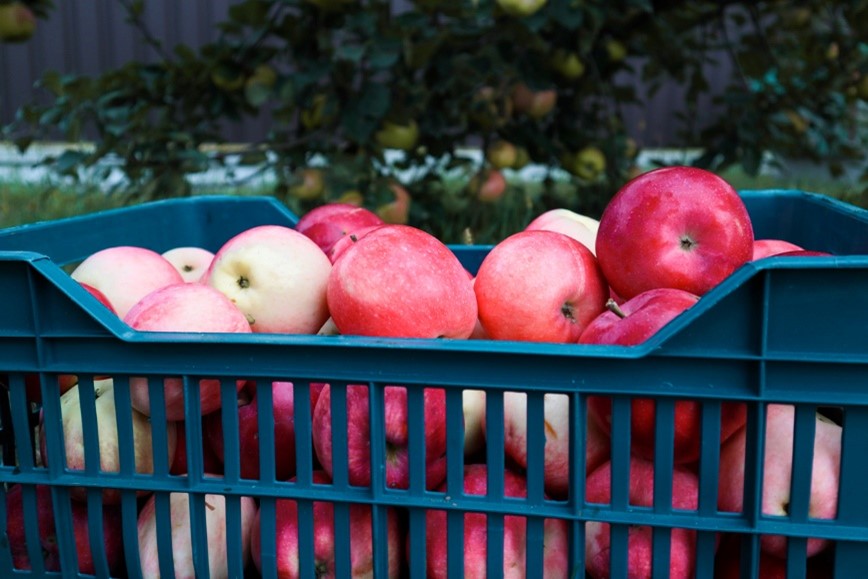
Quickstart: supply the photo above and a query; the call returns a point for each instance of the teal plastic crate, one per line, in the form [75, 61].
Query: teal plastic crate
[782, 330]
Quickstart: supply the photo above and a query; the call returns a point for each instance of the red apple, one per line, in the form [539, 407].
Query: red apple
[488, 185]
[539, 286]
[396, 430]
[180, 528]
[767, 247]
[283, 419]
[535, 104]
[396, 211]
[107, 427]
[49, 543]
[685, 496]
[100, 297]
[399, 281]
[17, 22]
[183, 307]
[554, 540]
[328, 223]
[632, 323]
[126, 274]
[804, 253]
[211, 463]
[777, 473]
[679, 227]
[276, 276]
[361, 539]
[347, 241]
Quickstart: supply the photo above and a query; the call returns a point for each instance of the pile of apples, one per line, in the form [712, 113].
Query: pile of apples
[667, 238]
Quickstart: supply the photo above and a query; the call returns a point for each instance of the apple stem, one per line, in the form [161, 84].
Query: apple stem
[353, 237]
[210, 506]
[613, 307]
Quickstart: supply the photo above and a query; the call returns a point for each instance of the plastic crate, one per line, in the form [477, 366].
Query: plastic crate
[781, 330]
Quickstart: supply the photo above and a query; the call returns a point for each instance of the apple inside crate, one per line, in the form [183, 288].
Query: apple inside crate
[723, 435]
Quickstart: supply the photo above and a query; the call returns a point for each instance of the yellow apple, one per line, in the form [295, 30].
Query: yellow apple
[501, 154]
[587, 164]
[568, 64]
[398, 136]
[17, 22]
[520, 8]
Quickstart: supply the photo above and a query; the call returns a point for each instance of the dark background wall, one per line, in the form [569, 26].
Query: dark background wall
[91, 36]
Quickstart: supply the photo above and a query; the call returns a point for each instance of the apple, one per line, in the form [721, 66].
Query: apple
[319, 112]
[473, 408]
[347, 241]
[633, 322]
[183, 307]
[539, 286]
[283, 419]
[400, 281]
[556, 427]
[358, 436]
[588, 164]
[180, 528]
[568, 64]
[768, 247]
[16, 540]
[396, 211]
[190, 261]
[521, 8]
[536, 104]
[777, 473]
[501, 154]
[126, 274]
[398, 135]
[107, 427]
[580, 227]
[310, 184]
[259, 86]
[326, 224]
[490, 108]
[554, 540]
[685, 496]
[805, 253]
[100, 297]
[488, 185]
[362, 542]
[680, 227]
[17, 22]
[276, 276]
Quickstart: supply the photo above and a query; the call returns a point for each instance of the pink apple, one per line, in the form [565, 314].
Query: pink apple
[179, 526]
[539, 286]
[767, 247]
[328, 223]
[191, 262]
[399, 281]
[632, 323]
[109, 446]
[580, 227]
[556, 429]
[554, 541]
[183, 307]
[805, 253]
[397, 435]
[363, 544]
[126, 274]
[685, 496]
[276, 276]
[49, 541]
[283, 419]
[777, 473]
[679, 227]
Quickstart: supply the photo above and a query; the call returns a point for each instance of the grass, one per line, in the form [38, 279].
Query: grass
[22, 203]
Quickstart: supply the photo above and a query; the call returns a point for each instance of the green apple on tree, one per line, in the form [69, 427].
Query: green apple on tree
[568, 64]
[588, 164]
[260, 84]
[401, 136]
[501, 154]
[17, 22]
[521, 8]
